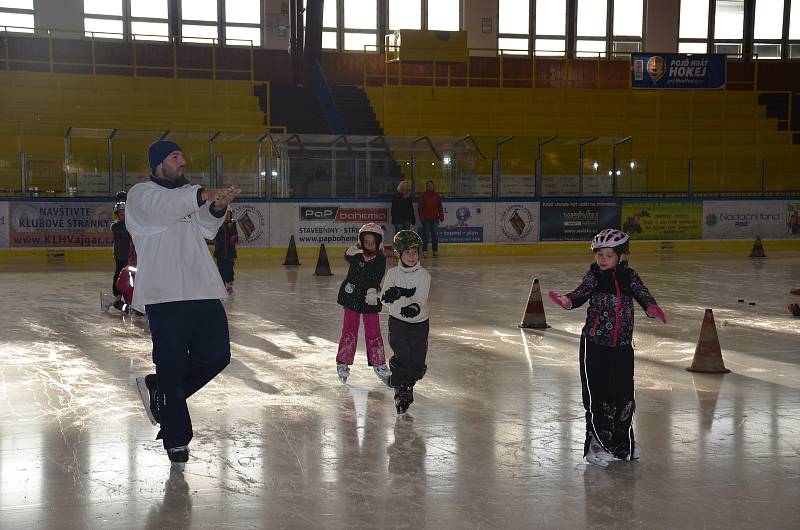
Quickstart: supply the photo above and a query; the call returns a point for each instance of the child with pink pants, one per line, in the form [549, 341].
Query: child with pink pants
[358, 295]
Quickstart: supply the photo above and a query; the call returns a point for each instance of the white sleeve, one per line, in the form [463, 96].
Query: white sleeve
[208, 223]
[423, 288]
[388, 282]
[150, 210]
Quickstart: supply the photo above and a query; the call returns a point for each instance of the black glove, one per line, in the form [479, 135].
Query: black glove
[410, 311]
[407, 292]
[391, 295]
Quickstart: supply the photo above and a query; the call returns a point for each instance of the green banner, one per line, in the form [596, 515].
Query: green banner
[663, 220]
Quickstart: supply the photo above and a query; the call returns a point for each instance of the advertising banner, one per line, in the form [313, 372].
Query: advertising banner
[57, 224]
[793, 219]
[252, 223]
[329, 223]
[576, 221]
[466, 222]
[746, 219]
[678, 71]
[517, 222]
[663, 220]
[3, 224]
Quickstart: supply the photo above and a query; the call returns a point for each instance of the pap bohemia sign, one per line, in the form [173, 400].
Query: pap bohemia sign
[678, 71]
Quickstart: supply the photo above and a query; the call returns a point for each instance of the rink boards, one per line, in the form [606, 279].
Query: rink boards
[53, 224]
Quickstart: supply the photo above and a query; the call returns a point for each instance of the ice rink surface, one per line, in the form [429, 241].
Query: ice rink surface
[494, 438]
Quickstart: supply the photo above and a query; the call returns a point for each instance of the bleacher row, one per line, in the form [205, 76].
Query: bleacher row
[726, 134]
[38, 109]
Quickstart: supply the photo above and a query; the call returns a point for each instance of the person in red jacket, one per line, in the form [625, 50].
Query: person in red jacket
[431, 214]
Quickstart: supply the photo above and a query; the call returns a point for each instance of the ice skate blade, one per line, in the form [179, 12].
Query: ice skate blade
[144, 395]
[596, 461]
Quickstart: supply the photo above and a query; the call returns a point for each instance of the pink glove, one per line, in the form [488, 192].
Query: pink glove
[353, 250]
[653, 311]
[560, 299]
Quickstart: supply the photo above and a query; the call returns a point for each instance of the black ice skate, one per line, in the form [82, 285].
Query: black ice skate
[178, 455]
[147, 392]
[403, 397]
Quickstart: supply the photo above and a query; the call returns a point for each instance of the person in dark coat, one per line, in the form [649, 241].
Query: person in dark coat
[358, 295]
[122, 241]
[402, 208]
[225, 250]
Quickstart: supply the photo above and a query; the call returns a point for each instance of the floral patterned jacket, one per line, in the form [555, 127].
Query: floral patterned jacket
[609, 319]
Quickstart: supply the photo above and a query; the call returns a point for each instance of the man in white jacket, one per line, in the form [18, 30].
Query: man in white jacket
[180, 287]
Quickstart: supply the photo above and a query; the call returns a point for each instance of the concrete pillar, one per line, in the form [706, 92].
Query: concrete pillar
[661, 26]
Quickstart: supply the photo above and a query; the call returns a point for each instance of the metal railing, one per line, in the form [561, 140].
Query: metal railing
[450, 74]
[174, 70]
[290, 166]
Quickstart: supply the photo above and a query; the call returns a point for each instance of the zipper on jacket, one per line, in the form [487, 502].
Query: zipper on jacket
[615, 336]
[596, 322]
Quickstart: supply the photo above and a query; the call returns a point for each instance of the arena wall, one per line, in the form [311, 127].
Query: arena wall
[470, 226]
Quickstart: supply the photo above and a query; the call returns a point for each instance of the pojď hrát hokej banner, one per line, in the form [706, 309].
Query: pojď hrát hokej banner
[678, 71]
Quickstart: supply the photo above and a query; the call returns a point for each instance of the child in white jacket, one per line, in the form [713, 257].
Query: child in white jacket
[405, 289]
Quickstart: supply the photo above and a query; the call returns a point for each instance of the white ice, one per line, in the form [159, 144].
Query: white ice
[497, 431]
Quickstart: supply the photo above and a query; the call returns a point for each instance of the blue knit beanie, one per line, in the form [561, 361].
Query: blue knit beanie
[160, 150]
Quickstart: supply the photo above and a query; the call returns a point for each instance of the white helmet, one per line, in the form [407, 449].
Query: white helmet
[371, 228]
[611, 238]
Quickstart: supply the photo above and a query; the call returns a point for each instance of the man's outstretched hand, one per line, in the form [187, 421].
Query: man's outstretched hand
[221, 197]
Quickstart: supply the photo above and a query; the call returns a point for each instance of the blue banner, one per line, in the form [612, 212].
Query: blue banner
[678, 71]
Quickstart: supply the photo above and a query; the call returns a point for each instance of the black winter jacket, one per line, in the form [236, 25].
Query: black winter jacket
[363, 275]
[611, 292]
[225, 242]
[122, 240]
[403, 210]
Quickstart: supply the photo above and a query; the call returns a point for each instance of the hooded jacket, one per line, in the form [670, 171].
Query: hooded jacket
[610, 293]
[169, 224]
[365, 273]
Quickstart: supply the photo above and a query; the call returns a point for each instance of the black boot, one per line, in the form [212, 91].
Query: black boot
[403, 397]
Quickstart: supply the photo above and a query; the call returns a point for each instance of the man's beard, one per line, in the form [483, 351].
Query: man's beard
[173, 176]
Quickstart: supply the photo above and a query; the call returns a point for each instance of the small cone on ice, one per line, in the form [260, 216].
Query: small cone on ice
[323, 267]
[534, 311]
[794, 309]
[291, 254]
[758, 249]
[708, 354]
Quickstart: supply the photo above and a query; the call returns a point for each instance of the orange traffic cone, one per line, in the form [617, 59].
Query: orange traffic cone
[323, 267]
[708, 355]
[534, 311]
[291, 254]
[758, 249]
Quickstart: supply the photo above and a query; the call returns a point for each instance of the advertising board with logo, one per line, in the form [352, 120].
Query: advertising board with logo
[57, 224]
[673, 70]
[793, 219]
[3, 224]
[576, 221]
[465, 222]
[663, 220]
[332, 224]
[746, 219]
[517, 222]
[252, 223]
